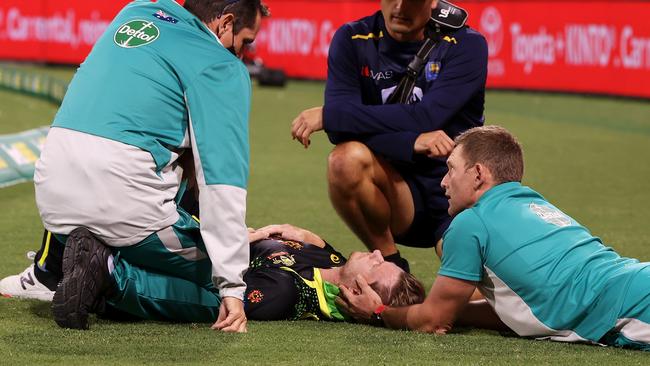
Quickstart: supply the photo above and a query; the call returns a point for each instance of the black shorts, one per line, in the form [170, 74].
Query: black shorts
[430, 220]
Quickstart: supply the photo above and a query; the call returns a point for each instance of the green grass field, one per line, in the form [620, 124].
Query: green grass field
[589, 156]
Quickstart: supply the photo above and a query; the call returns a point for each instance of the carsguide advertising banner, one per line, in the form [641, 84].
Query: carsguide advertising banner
[61, 31]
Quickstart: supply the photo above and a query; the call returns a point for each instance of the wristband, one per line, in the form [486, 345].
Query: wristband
[376, 315]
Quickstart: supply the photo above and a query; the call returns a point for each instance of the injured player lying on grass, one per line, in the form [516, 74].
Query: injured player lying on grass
[293, 274]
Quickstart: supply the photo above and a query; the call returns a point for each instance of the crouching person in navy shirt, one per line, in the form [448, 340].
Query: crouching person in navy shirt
[385, 171]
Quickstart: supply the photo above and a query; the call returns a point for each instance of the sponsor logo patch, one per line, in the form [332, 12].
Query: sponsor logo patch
[26, 281]
[550, 215]
[432, 70]
[164, 16]
[136, 33]
[376, 75]
[335, 258]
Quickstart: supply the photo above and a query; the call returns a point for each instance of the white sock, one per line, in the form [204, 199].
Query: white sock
[111, 265]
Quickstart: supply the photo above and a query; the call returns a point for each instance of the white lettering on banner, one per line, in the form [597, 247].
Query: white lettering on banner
[496, 68]
[590, 44]
[288, 36]
[91, 29]
[491, 26]
[2, 18]
[594, 45]
[302, 37]
[635, 51]
[59, 28]
[325, 37]
[531, 49]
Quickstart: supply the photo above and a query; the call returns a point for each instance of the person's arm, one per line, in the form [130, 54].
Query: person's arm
[480, 314]
[463, 75]
[289, 232]
[446, 300]
[402, 146]
[218, 103]
[461, 269]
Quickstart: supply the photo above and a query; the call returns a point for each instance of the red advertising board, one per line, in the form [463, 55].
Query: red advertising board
[61, 31]
[296, 37]
[575, 46]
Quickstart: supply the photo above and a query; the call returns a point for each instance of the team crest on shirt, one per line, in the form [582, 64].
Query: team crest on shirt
[432, 70]
[551, 215]
[282, 258]
[136, 33]
[255, 296]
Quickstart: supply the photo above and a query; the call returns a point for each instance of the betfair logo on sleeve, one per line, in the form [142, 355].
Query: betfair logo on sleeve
[136, 33]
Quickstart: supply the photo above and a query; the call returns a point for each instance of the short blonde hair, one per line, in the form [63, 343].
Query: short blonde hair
[497, 149]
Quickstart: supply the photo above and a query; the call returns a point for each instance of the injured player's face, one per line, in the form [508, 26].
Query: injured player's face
[380, 275]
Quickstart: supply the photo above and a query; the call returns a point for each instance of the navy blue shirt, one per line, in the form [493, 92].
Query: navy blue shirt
[365, 64]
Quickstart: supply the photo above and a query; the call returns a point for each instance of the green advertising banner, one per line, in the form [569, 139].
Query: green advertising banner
[19, 151]
[40, 85]
[18, 154]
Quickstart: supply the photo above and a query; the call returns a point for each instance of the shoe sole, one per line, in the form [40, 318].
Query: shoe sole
[41, 296]
[78, 290]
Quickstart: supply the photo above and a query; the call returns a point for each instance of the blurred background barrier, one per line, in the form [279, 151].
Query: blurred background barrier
[34, 83]
[18, 153]
[599, 47]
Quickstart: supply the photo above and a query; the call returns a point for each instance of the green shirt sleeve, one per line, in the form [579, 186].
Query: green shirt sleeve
[219, 105]
[463, 245]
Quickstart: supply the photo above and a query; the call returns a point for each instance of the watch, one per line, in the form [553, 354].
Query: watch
[376, 318]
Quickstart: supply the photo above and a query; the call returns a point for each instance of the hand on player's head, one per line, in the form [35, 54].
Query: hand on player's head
[379, 274]
[394, 286]
[360, 301]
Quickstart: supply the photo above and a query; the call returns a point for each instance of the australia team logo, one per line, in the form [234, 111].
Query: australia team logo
[282, 258]
[136, 33]
[432, 70]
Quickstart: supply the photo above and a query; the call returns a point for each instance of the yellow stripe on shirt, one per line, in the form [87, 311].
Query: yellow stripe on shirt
[368, 36]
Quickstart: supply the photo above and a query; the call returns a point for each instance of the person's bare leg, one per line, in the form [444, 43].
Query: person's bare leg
[369, 195]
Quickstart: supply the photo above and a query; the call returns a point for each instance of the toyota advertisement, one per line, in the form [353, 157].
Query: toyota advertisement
[599, 47]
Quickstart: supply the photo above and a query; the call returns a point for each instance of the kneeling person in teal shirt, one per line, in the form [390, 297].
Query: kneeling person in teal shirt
[541, 272]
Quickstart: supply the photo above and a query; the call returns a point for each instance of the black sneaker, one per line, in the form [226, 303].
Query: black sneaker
[85, 281]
